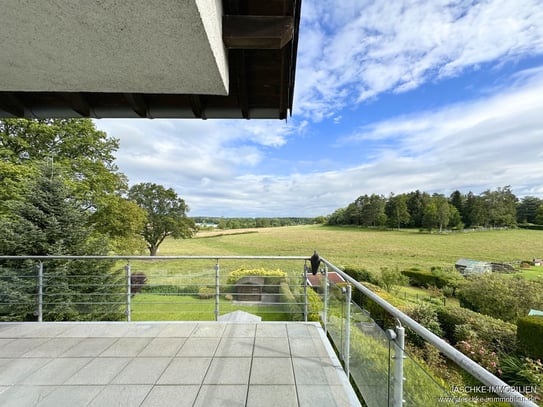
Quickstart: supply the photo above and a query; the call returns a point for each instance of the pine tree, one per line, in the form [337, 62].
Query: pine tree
[48, 221]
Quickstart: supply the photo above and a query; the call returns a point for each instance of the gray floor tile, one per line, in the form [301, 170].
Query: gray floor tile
[99, 371]
[56, 372]
[302, 329]
[209, 329]
[185, 371]
[231, 347]
[121, 396]
[272, 371]
[228, 371]
[142, 329]
[325, 396]
[70, 396]
[222, 396]
[271, 347]
[178, 330]
[271, 330]
[239, 330]
[307, 347]
[89, 347]
[272, 396]
[12, 371]
[20, 346]
[171, 396]
[199, 347]
[127, 347]
[163, 347]
[316, 371]
[25, 396]
[52, 348]
[142, 371]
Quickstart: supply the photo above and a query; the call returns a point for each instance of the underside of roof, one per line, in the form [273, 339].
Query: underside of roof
[135, 58]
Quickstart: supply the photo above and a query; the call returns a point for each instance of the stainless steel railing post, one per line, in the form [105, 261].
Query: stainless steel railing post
[128, 292]
[217, 290]
[40, 291]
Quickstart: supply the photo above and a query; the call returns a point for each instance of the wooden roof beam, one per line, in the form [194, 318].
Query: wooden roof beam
[257, 32]
[10, 103]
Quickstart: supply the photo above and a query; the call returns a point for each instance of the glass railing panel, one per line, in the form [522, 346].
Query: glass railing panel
[370, 361]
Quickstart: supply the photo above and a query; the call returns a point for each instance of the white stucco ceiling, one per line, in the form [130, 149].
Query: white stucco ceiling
[135, 46]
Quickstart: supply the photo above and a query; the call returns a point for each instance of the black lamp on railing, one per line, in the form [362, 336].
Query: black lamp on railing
[315, 262]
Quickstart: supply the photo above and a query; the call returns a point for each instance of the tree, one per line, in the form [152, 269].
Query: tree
[539, 215]
[48, 220]
[372, 210]
[85, 154]
[527, 209]
[166, 214]
[396, 211]
[443, 211]
[121, 221]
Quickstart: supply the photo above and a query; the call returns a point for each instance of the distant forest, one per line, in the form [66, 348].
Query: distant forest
[205, 222]
[499, 208]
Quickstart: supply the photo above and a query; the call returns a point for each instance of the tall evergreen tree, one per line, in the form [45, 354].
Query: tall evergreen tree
[47, 220]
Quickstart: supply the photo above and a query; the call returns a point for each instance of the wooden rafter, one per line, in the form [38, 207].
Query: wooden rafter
[257, 32]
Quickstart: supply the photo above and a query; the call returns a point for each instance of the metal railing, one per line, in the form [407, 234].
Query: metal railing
[146, 288]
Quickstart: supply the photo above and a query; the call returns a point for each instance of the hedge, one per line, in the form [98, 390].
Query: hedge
[458, 323]
[294, 304]
[421, 278]
[272, 278]
[361, 274]
[530, 336]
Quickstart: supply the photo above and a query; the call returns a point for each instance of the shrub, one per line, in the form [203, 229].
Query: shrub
[205, 293]
[460, 324]
[530, 336]
[294, 304]
[425, 315]
[436, 277]
[500, 296]
[361, 274]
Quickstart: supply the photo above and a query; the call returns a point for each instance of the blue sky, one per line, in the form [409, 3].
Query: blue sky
[390, 96]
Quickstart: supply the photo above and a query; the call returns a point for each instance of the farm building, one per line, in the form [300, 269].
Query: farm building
[466, 266]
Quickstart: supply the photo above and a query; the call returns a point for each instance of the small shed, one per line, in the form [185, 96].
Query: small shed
[466, 266]
[249, 289]
[534, 312]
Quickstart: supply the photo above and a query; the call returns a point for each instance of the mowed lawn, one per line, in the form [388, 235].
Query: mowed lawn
[371, 249]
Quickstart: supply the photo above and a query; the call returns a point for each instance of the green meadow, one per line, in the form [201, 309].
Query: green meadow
[371, 249]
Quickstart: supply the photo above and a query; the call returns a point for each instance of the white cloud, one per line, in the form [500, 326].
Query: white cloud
[395, 46]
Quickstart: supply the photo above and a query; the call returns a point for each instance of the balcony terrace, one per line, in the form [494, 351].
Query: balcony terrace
[189, 339]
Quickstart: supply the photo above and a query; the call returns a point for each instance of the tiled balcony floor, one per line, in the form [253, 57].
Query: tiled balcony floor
[279, 364]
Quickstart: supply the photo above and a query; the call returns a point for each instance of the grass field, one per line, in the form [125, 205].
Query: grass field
[371, 249]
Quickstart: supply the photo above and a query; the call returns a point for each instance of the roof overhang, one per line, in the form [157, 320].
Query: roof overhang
[137, 58]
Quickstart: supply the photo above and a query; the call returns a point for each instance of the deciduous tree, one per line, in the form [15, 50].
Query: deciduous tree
[166, 214]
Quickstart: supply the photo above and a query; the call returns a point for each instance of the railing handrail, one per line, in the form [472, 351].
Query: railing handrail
[155, 257]
[501, 388]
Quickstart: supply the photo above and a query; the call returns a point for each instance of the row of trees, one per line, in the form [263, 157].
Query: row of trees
[417, 209]
[241, 223]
